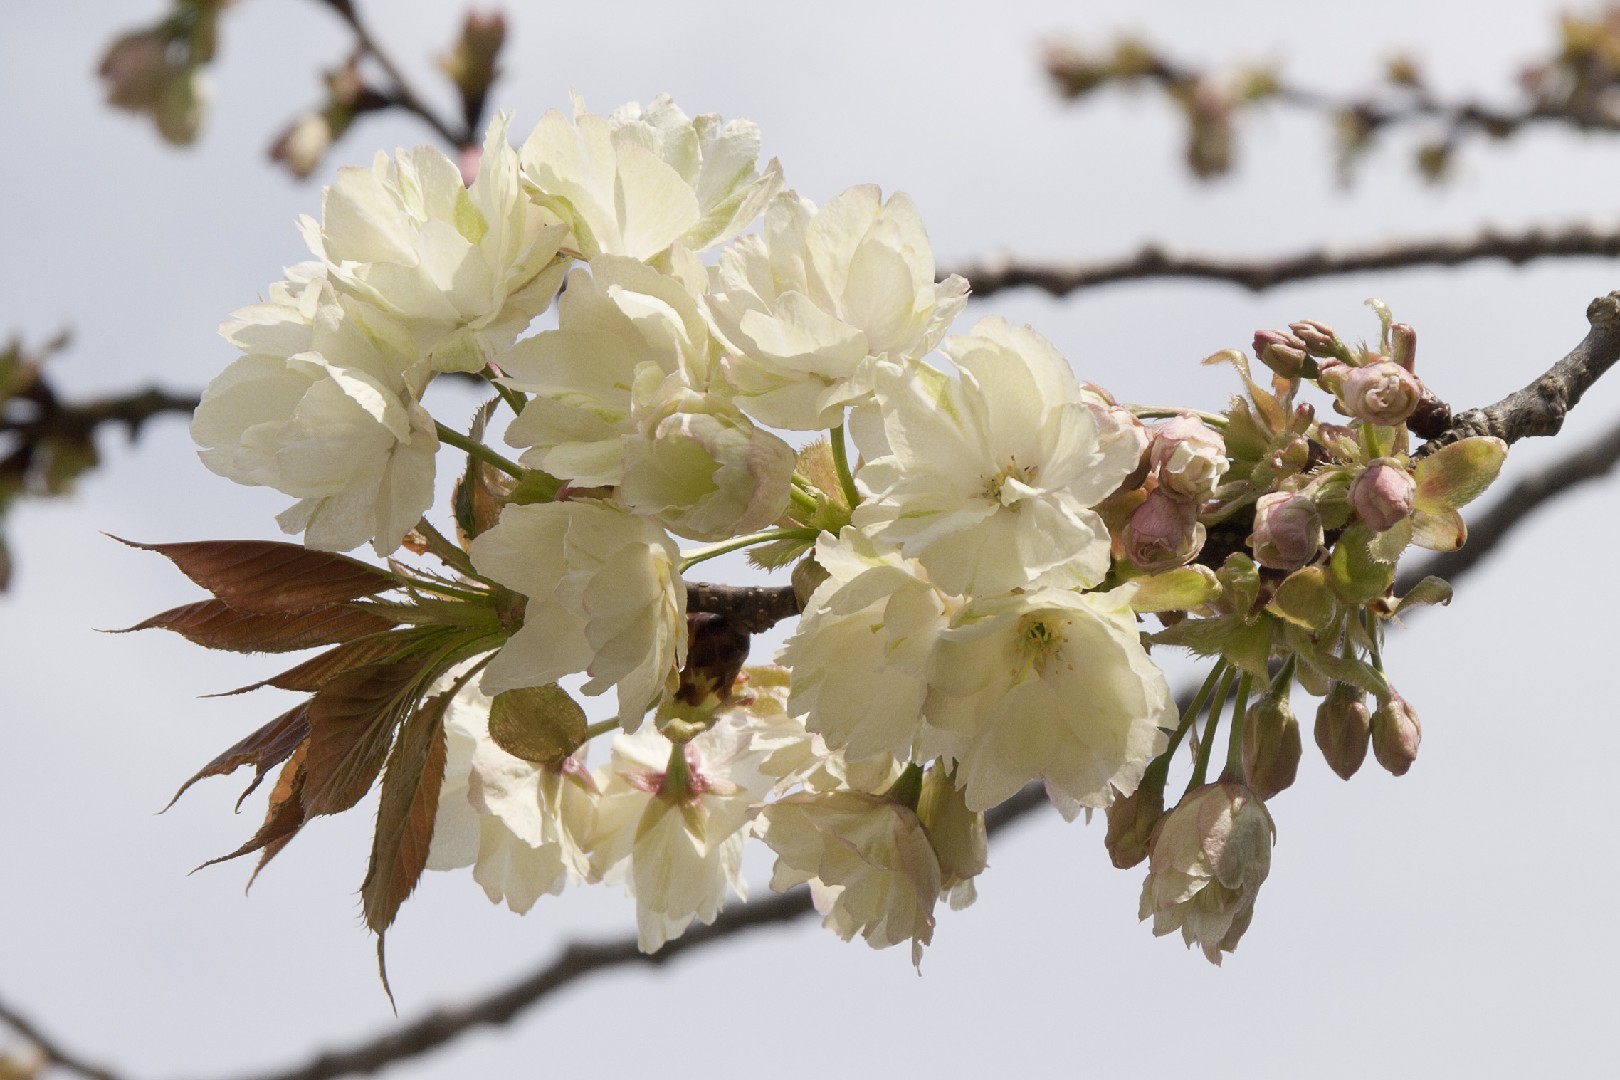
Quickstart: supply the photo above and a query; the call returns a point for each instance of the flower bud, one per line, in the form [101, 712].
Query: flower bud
[1382, 494]
[1395, 735]
[1318, 338]
[301, 145]
[471, 64]
[1163, 533]
[1271, 746]
[1381, 393]
[1210, 856]
[1287, 530]
[1342, 729]
[1131, 819]
[1190, 456]
[1280, 351]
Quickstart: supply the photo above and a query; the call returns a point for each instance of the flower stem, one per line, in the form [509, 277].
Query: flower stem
[448, 553]
[802, 504]
[840, 456]
[601, 727]
[1201, 767]
[1234, 743]
[478, 450]
[514, 400]
[1170, 412]
[691, 558]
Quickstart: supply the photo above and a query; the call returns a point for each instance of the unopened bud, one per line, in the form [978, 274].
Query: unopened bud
[1190, 456]
[1287, 530]
[300, 147]
[1271, 746]
[471, 64]
[1342, 729]
[1163, 533]
[1280, 351]
[1318, 338]
[1381, 393]
[1131, 819]
[1395, 735]
[1382, 494]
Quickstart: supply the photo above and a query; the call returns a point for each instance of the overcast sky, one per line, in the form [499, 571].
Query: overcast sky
[1453, 922]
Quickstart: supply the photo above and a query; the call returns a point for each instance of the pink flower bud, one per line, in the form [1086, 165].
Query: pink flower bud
[1280, 351]
[1380, 393]
[1164, 532]
[1382, 494]
[1319, 338]
[1342, 729]
[1271, 746]
[1131, 819]
[1396, 734]
[1287, 530]
[1190, 456]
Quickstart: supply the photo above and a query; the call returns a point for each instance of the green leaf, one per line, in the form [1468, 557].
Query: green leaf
[1181, 589]
[541, 724]
[1457, 474]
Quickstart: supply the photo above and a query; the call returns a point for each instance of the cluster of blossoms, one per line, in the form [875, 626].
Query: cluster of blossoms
[972, 584]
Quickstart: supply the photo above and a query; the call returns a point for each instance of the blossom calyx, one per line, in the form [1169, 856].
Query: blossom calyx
[1396, 734]
[1163, 533]
[1287, 530]
[1342, 729]
[1210, 856]
[1383, 494]
[1380, 393]
[1271, 746]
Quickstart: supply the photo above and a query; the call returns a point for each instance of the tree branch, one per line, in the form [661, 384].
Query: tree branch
[1540, 407]
[997, 273]
[401, 93]
[53, 1052]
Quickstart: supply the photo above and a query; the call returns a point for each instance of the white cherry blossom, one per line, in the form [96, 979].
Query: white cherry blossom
[988, 479]
[807, 306]
[605, 598]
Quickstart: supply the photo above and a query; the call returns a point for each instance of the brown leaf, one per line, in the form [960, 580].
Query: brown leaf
[317, 671]
[405, 813]
[537, 723]
[264, 750]
[214, 624]
[283, 818]
[270, 576]
[351, 722]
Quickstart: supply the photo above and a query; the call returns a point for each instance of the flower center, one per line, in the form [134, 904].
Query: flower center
[1039, 641]
[997, 489]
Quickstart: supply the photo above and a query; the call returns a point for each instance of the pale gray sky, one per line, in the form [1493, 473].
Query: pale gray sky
[1453, 922]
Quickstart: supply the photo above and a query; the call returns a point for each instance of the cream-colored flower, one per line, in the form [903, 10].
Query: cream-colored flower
[604, 597]
[868, 861]
[637, 181]
[519, 824]
[1049, 685]
[675, 837]
[1210, 856]
[988, 479]
[806, 307]
[624, 330]
[320, 408]
[859, 655]
[702, 468]
[466, 268]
